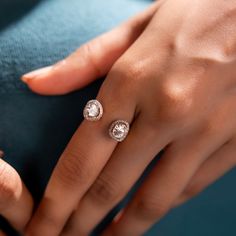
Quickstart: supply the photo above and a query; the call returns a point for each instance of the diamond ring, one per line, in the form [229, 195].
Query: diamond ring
[93, 110]
[119, 129]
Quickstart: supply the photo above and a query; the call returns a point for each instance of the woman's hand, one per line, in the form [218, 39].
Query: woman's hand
[16, 203]
[174, 80]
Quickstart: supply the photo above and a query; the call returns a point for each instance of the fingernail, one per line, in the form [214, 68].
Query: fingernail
[1, 153]
[33, 74]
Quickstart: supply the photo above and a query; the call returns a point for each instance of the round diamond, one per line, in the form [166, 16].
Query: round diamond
[93, 110]
[119, 130]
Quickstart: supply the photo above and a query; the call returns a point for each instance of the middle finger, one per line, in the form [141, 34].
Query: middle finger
[80, 164]
[125, 166]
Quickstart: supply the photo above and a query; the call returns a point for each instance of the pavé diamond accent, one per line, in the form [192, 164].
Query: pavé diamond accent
[93, 110]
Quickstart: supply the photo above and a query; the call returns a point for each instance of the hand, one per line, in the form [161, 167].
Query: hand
[16, 203]
[173, 79]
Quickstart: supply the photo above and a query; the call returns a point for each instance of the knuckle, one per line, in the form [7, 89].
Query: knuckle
[134, 70]
[105, 190]
[127, 77]
[73, 168]
[8, 185]
[150, 209]
[175, 102]
[130, 71]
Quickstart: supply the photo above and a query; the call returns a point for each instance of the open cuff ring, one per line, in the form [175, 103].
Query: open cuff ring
[118, 130]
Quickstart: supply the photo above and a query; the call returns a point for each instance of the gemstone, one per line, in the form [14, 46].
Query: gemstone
[93, 110]
[119, 130]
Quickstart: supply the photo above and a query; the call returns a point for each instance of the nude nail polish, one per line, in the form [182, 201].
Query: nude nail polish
[34, 74]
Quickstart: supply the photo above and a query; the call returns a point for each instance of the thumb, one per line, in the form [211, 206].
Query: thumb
[91, 61]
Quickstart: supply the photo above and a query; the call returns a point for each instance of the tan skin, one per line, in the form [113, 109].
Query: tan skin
[16, 203]
[171, 74]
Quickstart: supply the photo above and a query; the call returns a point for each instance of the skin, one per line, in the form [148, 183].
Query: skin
[172, 76]
[16, 203]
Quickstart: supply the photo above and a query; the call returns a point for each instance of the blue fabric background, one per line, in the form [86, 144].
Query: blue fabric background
[34, 130]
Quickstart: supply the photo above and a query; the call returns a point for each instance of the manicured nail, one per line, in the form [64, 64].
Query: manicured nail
[33, 74]
[1, 154]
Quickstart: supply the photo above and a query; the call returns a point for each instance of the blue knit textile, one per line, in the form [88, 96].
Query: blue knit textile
[34, 130]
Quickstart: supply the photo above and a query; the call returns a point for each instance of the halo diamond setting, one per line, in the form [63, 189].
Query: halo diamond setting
[119, 129]
[93, 110]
